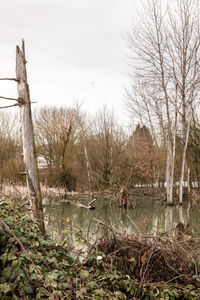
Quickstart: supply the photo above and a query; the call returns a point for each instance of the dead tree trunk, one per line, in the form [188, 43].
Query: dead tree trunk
[28, 142]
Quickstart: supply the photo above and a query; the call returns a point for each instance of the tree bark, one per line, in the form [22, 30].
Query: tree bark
[188, 180]
[169, 173]
[183, 164]
[87, 164]
[29, 151]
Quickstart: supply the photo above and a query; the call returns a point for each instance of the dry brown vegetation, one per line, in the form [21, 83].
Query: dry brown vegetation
[78, 153]
[171, 257]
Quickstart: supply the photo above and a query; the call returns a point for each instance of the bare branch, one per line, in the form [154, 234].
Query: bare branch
[9, 106]
[14, 79]
[13, 99]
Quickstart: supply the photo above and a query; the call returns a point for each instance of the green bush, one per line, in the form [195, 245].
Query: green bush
[32, 266]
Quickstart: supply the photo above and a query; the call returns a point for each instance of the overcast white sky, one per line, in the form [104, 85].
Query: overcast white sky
[75, 50]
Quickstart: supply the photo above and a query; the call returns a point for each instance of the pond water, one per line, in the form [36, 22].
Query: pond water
[145, 216]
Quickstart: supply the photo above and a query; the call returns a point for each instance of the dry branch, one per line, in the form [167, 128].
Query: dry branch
[169, 257]
[13, 99]
[7, 106]
[14, 79]
[88, 206]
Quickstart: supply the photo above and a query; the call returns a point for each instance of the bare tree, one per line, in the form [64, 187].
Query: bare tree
[166, 49]
[58, 131]
[105, 150]
[10, 148]
[28, 142]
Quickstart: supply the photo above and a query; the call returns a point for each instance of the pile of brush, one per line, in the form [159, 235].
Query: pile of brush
[170, 257]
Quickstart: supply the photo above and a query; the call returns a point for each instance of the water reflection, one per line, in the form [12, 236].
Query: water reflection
[147, 217]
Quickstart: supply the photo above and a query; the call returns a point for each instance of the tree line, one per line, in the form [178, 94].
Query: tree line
[82, 153]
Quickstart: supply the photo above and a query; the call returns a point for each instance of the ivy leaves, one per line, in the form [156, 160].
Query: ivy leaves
[32, 266]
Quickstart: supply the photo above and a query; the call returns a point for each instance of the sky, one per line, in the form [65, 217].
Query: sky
[75, 49]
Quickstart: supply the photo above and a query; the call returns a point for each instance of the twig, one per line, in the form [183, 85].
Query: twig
[104, 278]
[25, 268]
[14, 79]
[9, 106]
[175, 278]
[88, 230]
[147, 265]
[24, 204]
[12, 99]
[195, 265]
[134, 224]
[109, 226]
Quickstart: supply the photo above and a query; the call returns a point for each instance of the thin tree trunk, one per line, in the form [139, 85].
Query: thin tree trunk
[87, 164]
[183, 164]
[169, 173]
[66, 141]
[171, 150]
[29, 152]
[188, 180]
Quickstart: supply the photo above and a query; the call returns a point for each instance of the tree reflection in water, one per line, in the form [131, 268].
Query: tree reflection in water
[148, 216]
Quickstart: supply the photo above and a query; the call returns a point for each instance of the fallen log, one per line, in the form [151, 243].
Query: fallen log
[91, 202]
[79, 204]
[88, 206]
